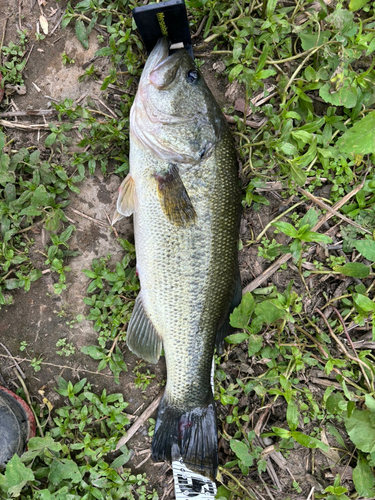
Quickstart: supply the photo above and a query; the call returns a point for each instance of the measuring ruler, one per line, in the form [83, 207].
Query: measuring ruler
[189, 484]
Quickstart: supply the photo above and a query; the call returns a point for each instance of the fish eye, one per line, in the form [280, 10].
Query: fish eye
[192, 76]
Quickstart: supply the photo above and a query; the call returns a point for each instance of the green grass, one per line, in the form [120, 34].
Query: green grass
[319, 129]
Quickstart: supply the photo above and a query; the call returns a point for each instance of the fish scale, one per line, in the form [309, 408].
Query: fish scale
[183, 189]
[187, 315]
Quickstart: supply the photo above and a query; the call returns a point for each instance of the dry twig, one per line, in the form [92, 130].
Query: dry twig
[140, 421]
[284, 258]
[57, 366]
[249, 123]
[101, 223]
[324, 206]
[29, 112]
[14, 359]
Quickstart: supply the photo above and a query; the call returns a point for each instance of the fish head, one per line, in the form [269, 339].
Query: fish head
[175, 113]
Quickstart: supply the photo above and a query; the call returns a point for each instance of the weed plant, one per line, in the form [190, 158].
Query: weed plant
[313, 64]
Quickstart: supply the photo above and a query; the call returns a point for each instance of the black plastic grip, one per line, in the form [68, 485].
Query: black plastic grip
[163, 19]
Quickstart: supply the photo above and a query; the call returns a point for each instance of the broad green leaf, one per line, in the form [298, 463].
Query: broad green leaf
[366, 248]
[93, 351]
[344, 96]
[234, 72]
[334, 432]
[297, 174]
[64, 469]
[310, 74]
[289, 149]
[81, 33]
[122, 459]
[343, 20]
[51, 138]
[223, 493]
[361, 429]
[286, 228]
[10, 193]
[310, 218]
[355, 269]
[302, 135]
[241, 315]
[263, 58]
[371, 47]
[370, 402]
[237, 338]
[265, 73]
[310, 40]
[268, 312]
[292, 415]
[360, 139]
[333, 403]
[255, 344]
[283, 433]
[364, 302]
[104, 51]
[295, 249]
[316, 237]
[357, 4]
[89, 274]
[308, 441]
[16, 476]
[40, 197]
[363, 478]
[242, 452]
[38, 443]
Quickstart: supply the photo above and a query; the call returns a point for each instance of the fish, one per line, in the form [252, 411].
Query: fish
[183, 190]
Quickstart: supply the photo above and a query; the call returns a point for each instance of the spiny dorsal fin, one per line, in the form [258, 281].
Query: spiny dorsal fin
[141, 337]
[174, 198]
[127, 200]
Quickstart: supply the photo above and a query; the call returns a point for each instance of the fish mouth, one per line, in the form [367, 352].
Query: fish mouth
[162, 67]
[158, 55]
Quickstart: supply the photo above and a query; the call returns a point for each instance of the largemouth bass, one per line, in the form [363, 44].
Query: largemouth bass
[184, 192]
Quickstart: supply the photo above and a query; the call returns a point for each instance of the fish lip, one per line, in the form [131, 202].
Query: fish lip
[161, 59]
[158, 55]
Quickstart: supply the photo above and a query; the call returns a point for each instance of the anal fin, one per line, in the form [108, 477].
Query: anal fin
[126, 201]
[142, 338]
[174, 198]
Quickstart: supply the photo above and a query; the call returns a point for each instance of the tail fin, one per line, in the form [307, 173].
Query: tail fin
[191, 435]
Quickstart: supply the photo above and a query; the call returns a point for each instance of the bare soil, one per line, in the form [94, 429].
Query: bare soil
[34, 315]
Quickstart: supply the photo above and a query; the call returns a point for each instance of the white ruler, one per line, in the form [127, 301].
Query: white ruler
[189, 484]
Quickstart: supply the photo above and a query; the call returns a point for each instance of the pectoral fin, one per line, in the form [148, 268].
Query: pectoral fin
[174, 198]
[126, 201]
[141, 337]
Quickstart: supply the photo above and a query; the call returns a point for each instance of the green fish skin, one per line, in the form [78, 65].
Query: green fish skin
[183, 189]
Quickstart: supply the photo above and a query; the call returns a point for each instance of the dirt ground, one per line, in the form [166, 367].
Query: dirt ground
[33, 316]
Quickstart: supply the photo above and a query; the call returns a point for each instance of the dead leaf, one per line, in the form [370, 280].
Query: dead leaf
[331, 454]
[44, 24]
[219, 66]
[232, 90]
[239, 105]
[48, 404]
